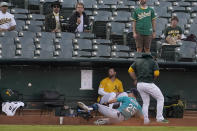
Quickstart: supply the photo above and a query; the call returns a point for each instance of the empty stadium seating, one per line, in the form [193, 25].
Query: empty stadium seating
[111, 30]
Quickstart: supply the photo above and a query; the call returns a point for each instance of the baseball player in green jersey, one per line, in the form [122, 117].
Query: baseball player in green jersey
[143, 71]
[144, 26]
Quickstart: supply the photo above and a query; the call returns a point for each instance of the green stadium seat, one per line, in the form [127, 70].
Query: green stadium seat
[82, 54]
[117, 32]
[122, 16]
[102, 51]
[19, 25]
[46, 49]
[193, 29]
[69, 3]
[66, 49]
[102, 15]
[10, 34]
[121, 48]
[108, 2]
[38, 17]
[27, 34]
[193, 9]
[88, 3]
[195, 20]
[100, 20]
[184, 4]
[19, 11]
[82, 44]
[151, 2]
[85, 35]
[34, 23]
[89, 12]
[102, 41]
[178, 9]
[8, 48]
[27, 48]
[46, 35]
[116, 28]
[103, 7]
[162, 12]
[65, 35]
[34, 28]
[50, 1]
[186, 52]
[181, 15]
[20, 17]
[129, 3]
[120, 7]
[161, 24]
[125, 55]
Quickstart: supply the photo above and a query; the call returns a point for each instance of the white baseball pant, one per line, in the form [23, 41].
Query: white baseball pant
[147, 89]
[111, 96]
[110, 113]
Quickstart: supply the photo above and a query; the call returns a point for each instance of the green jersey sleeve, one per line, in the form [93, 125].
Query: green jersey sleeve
[134, 15]
[153, 16]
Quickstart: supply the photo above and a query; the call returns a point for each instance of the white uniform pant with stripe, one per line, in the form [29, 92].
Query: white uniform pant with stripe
[110, 113]
[150, 89]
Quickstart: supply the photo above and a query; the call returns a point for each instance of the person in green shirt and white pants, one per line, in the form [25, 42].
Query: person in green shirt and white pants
[144, 26]
[144, 71]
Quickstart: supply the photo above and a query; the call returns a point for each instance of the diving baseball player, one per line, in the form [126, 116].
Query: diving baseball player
[143, 71]
[129, 107]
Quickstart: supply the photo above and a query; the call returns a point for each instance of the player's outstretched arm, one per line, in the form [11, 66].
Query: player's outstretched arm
[112, 101]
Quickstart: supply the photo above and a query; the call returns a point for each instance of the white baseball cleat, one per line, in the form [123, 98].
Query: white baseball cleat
[146, 122]
[83, 106]
[163, 121]
[101, 122]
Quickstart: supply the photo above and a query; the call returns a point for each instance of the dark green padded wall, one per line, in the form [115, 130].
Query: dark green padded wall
[67, 81]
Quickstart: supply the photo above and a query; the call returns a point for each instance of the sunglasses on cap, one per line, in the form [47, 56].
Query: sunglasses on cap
[56, 6]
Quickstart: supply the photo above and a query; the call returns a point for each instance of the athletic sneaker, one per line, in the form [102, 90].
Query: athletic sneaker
[100, 122]
[163, 121]
[83, 106]
[146, 122]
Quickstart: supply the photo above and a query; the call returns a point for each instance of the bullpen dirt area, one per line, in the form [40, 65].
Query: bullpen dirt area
[190, 119]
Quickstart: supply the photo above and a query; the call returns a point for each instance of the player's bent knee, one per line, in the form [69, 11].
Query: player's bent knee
[161, 99]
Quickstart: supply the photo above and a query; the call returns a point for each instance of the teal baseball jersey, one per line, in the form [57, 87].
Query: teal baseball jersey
[129, 106]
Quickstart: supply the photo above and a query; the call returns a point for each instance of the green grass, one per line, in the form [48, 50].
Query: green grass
[92, 128]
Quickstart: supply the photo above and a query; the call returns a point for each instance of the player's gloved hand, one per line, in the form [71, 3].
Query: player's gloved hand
[106, 103]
